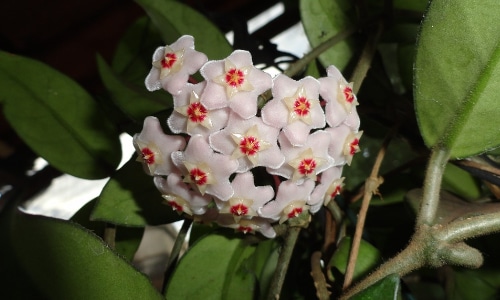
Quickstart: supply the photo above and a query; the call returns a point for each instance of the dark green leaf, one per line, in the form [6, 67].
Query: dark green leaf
[460, 182]
[216, 267]
[69, 261]
[127, 239]
[323, 19]
[457, 76]
[57, 118]
[136, 102]
[131, 199]
[174, 19]
[15, 283]
[479, 284]
[132, 58]
[388, 288]
[368, 257]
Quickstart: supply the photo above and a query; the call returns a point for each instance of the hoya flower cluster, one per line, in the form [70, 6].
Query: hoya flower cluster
[222, 143]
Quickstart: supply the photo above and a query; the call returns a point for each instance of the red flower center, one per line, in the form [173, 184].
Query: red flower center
[235, 77]
[301, 106]
[295, 212]
[307, 166]
[169, 60]
[354, 146]
[175, 206]
[336, 191]
[249, 145]
[148, 156]
[348, 94]
[239, 209]
[196, 112]
[198, 176]
[244, 229]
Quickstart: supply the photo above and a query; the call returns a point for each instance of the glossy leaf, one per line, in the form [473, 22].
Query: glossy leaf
[57, 118]
[388, 288]
[132, 58]
[69, 261]
[368, 257]
[131, 199]
[216, 267]
[135, 101]
[320, 26]
[479, 284]
[174, 19]
[127, 239]
[457, 76]
[460, 182]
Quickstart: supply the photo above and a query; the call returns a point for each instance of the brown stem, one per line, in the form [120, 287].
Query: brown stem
[371, 187]
[319, 278]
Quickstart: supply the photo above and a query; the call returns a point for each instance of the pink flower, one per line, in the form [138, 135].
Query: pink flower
[154, 148]
[191, 117]
[173, 64]
[247, 198]
[180, 197]
[290, 201]
[306, 161]
[344, 144]
[235, 83]
[295, 108]
[245, 226]
[207, 171]
[340, 99]
[330, 186]
[250, 141]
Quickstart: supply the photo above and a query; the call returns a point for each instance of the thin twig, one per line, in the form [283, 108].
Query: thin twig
[318, 277]
[299, 65]
[176, 249]
[372, 183]
[110, 235]
[371, 187]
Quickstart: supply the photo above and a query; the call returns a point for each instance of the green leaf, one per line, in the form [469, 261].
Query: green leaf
[136, 102]
[460, 182]
[132, 58]
[216, 267]
[130, 198]
[479, 284]
[387, 289]
[323, 19]
[416, 5]
[368, 257]
[57, 118]
[69, 261]
[127, 239]
[15, 283]
[174, 19]
[457, 76]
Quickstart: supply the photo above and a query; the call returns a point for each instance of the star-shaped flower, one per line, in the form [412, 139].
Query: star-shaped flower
[154, 147]
[330, 186]
[234, 82]
[180, 197]
[306, 161]
[206, 170]
[173, 64]
[247, 198]
[250, 141]
[344, 144]
[294, 107]
[191, 117]
[255, 224]
[340, 99]
[290, 201]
